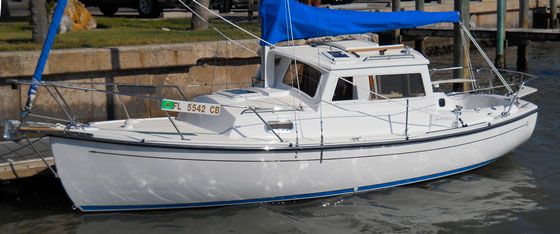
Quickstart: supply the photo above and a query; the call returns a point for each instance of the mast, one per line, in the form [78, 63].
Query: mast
[266, 70]
[38, 75]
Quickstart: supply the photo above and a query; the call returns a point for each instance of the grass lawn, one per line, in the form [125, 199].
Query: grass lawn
[16, 35]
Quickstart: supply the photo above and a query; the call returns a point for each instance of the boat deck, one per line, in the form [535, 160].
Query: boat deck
[161, 131]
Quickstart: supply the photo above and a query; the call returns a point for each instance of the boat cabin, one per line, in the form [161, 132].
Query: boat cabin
[347, 70]
[338, 82]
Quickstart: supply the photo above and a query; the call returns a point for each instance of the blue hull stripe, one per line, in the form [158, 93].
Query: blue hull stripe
[284, 198]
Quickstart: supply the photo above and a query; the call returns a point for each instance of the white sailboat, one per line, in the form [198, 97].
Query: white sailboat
[328, 119]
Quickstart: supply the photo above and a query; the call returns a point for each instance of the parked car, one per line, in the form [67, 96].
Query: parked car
[226, 6]
[146, 8]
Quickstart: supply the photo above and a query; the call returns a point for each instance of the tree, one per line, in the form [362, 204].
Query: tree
[39, 21]
[197, 22]
[4, 10]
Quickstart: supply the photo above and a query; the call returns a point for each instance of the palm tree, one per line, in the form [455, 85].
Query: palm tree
[39, 21]
[196, 22]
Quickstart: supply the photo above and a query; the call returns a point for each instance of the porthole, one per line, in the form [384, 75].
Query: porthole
[441, 102]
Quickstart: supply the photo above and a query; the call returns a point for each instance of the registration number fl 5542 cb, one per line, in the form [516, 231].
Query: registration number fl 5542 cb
[191, 107]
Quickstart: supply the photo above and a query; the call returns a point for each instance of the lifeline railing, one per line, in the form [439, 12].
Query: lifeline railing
[483, 79]
[113, 89]
[148, 92]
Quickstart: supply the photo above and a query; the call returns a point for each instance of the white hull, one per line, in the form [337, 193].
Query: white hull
[102, 176]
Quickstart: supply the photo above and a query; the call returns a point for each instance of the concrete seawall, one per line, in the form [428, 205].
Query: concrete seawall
[196, 68]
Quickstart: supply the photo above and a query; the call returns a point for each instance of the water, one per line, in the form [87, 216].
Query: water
[518, 193]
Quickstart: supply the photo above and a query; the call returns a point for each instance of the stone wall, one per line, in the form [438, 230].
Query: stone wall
[196, 68]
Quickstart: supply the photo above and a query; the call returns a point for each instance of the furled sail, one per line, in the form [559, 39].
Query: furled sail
[309, 22]
[38, 75]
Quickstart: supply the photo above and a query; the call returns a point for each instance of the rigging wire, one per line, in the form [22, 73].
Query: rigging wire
[233, 24]
[468, 58]
[290, 32]
[281, 48]
[504, 82]
[343, 79]
[215, 29]
[320, 105]
[291, 35]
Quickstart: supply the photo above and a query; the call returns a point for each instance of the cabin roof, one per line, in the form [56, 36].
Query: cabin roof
[352, 54]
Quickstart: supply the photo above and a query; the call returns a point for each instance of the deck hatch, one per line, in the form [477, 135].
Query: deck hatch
[239, 91]
[338, 54]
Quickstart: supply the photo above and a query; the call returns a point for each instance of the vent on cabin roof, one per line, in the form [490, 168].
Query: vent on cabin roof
[338, 54]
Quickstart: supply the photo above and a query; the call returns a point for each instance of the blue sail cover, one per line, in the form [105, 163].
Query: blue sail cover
[309, 22]
[38, 75]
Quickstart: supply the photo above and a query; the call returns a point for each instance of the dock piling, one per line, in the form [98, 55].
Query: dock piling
[250, 8]
[459, 59]
[419, 42]
[225, 6]
[396, 7]
[419, 5]
[522, 63]
[553, 14]
[500, 34]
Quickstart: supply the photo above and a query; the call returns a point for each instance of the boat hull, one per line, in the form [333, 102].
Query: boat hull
[110, 176]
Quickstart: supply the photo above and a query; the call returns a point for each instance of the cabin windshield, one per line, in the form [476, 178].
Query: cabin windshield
[303, 77]
[390, 86]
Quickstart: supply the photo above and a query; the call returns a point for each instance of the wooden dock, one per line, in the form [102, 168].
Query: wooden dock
[513, 34]
[18, 160]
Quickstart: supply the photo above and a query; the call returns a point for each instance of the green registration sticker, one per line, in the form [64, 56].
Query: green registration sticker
[167, 105]
[191, 107]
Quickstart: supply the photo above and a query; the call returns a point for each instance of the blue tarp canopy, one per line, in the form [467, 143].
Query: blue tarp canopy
[309, 22]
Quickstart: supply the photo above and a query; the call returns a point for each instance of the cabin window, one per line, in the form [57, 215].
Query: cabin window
[399, 85]
[344, 90]
[307, 76]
